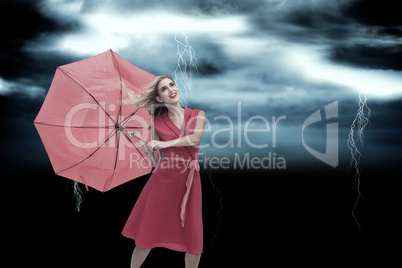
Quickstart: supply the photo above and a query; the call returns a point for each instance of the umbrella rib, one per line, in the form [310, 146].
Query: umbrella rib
[115, 162]
[121, 87]
[53, 125]
[136, 128]
[117, 154]
[129, 117]
[125, 135]
[93, 152]
[125, 121]
[122, 123]
[88, 93]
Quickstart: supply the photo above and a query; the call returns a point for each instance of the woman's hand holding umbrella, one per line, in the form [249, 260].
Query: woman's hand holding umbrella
[155, 144]
[145, 147]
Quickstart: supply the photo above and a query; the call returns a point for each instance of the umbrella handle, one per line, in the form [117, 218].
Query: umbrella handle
[145, 142]
[131, 135]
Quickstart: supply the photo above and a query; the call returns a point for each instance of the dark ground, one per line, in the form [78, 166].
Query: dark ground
[281, 218]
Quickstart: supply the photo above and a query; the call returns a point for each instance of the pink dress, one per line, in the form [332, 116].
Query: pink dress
[168, 211]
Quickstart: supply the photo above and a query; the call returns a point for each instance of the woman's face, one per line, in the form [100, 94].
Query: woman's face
[168, 92]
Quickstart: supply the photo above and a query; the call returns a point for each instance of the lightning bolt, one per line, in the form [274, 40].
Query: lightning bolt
[78, 196]
[359, 123]
[218, 213]
[185, 69]
[186, 66]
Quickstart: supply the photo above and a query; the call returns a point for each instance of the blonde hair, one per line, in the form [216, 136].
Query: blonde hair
[148, 100]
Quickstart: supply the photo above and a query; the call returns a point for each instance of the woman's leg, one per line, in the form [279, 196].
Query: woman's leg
[192, 261]
[138, 257]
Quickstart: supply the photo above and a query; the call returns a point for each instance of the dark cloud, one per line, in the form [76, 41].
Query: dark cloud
[303, 24]
[315, 19]
[40, 66]
[331, 23]
[319, 24]
[19, 105]
[374, 12]
[20, 22]
[212, 59]
[357, 33]
[393, 32]
[279, 90]
[386, 115]
[225, 7]
[389, 57]
[19, 140]
[207, 7]
[209, 68]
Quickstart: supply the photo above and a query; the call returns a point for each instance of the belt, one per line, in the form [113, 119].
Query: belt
[193, 166]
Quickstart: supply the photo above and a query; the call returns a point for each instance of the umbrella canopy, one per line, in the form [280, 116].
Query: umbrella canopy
[83, 120]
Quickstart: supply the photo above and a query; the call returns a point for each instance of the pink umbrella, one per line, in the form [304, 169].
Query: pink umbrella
[84, 118]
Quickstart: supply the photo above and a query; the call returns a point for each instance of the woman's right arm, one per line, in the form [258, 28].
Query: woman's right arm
[155, 153]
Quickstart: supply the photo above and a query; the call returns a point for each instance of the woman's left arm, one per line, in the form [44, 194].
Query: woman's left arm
[188, 140]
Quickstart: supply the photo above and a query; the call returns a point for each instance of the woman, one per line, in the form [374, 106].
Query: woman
[168, 210]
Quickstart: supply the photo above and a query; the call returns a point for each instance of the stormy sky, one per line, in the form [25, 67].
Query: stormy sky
[257, 60]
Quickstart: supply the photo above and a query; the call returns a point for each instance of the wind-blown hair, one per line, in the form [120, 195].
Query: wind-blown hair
[148, 100]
